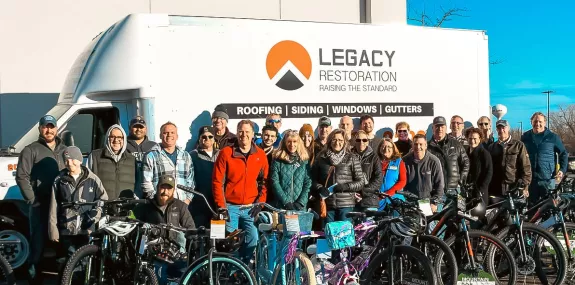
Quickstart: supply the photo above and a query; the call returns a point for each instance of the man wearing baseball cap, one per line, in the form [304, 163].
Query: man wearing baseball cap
[163, 208]
[138, 145]
[511, 165]
[38, 165]
[451, 154]
[323, 131]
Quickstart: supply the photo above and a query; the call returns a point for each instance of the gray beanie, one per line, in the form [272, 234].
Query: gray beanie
[220, 112]
[73, 152]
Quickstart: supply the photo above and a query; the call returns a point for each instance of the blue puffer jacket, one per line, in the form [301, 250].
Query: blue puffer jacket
[542, 152]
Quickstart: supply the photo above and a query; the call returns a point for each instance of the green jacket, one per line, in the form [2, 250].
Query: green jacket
[290, 183]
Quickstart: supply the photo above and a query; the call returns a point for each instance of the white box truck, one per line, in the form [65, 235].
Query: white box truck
[178, 68]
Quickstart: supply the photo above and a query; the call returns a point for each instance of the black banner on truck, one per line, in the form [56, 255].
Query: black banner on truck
[313, 110]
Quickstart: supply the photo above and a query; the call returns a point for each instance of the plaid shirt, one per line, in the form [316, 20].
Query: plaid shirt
[157, 163]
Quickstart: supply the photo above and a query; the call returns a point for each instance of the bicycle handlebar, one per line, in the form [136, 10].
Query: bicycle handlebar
[6, 220]
[190, 190]
[101, 203]
[265, 205]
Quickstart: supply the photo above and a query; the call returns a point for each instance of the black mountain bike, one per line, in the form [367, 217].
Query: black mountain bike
[112, 255]
[539, 255]
[478, 252]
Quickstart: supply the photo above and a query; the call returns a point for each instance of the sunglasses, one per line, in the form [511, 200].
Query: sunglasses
[483, 124]
[361, 140]
[402, 131]
[207, 137]
[274, 121]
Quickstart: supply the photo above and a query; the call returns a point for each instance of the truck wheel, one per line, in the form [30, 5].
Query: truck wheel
[14, 247]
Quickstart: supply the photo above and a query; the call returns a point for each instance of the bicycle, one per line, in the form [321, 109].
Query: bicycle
[7, 274]
[529, 242]
[201, 270]
[465, 243]
[279, 259]
[113, 245]
[445, 267]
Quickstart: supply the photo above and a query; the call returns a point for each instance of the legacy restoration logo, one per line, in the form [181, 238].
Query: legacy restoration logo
[288, 64]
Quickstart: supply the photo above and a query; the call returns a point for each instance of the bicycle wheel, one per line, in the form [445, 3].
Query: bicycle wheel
[442, 258]
[261, 258]
[148, 277]
[557, 230]
[226, 270]
[81, 262]
[492, 248]
[544, 261]
[7, 277]
[298, 272]
[410, 266]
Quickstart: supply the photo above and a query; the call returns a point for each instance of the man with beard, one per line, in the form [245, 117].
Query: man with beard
[223, 137]
[164, 209]
[269, 138]
[170, 159]
[38, 165]
[403, 143]
[367, 125]
[115, 168]
[138, 145]
[324, 129]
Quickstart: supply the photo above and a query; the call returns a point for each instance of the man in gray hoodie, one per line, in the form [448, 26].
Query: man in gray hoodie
[38, 165]
[424, 173]
[115, 167]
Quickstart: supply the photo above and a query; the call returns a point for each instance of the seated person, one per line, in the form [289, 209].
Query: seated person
[163, 208]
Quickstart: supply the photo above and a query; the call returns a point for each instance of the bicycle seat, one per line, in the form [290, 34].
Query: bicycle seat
[355, 215]
[408, 196]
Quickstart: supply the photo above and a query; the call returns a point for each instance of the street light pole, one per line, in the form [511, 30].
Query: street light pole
[521, 127]
[548, 92]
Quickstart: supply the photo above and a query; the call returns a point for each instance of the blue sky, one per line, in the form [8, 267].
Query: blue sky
[535, 42]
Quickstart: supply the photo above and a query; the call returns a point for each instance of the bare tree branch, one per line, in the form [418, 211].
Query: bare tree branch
[449, 14]
[496, 61]
[562, 122]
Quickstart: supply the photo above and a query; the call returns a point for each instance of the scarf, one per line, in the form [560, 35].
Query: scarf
[335, 157]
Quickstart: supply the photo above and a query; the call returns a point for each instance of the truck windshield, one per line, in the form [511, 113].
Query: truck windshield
[32, 134]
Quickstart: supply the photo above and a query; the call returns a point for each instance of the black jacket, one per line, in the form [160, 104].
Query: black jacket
[139, 152]
[175, 213]
[348, 172]
[371, 168]
[38, 166]
[480, 171]
[71, 221]
[454, 160]
[404, 146]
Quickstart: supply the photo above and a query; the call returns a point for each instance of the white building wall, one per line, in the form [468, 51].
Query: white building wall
[40, 39]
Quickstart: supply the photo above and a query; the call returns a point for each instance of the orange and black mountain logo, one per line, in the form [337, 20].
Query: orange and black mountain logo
[289, 65]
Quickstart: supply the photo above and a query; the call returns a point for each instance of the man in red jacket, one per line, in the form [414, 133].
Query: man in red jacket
[239, 179]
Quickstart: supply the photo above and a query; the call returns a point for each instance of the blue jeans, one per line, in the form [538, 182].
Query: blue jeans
[240, 219]
[335, 215]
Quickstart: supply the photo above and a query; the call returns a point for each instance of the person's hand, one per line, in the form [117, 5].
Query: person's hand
[55, 240]
[187, 201]
[433, 208]
[289, 206]
[526, 192]
[559, 176]
[340, 188]
[255, 211]
[298, 206]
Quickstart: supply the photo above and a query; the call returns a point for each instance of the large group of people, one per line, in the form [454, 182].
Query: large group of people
[339, 171]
